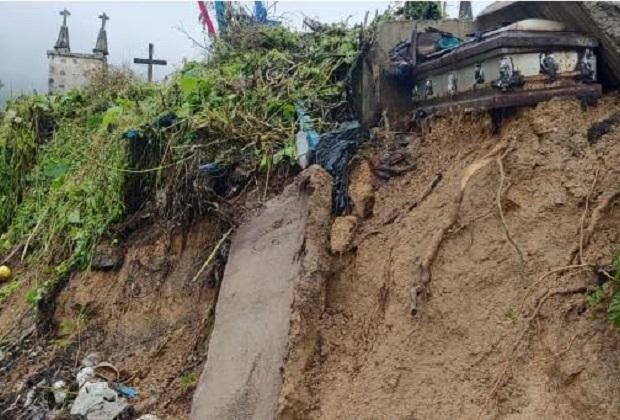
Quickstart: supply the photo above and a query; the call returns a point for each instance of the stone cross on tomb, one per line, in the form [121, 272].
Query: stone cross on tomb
[101, 46]
[150, 62]
[64, 15]
[62, 44]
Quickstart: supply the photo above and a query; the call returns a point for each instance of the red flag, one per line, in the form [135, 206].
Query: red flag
[206, 20]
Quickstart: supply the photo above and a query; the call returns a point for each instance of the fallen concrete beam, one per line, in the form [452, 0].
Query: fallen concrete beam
[269, 305]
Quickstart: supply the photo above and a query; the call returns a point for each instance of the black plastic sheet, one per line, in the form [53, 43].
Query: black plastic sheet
[333, 153]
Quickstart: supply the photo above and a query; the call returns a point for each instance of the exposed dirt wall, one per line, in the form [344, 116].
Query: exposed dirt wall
[498, 333]
[150, 319]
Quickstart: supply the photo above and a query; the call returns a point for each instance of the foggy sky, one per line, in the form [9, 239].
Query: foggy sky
[28, 30]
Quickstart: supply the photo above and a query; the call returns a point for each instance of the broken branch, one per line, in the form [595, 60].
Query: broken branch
[212, 255]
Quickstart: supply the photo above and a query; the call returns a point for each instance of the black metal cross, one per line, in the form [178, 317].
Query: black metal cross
[150, 62]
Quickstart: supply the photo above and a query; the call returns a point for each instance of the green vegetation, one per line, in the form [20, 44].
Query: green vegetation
[68, 170]
[68, 329]
[511, 315]
[421, 10]
[608, 294]
[187, 381]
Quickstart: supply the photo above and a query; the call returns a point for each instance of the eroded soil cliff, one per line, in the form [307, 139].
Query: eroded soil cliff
[523, 214]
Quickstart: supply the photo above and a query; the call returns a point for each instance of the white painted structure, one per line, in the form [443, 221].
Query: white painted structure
[69, 70]
[72, 70]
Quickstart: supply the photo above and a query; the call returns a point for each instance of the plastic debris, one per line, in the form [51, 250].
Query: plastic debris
[448, 41]
[97, 401]
[214, 169]
[333, 153]
[148, 417]
[60, 392]
[91, 360]
[132, 134]
[124, 390]
[400, 60]
[85, 375]
[166, 120]
[306, 138]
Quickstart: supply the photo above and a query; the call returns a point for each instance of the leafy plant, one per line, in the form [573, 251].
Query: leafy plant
[613, 311]
[73, 164]
[609, 292]
[511, 315]
[187, 381]
[421, 10]
[595, 296]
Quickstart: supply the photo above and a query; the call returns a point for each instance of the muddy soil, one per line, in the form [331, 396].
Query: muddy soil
[498, 333]
[150, 318]
[513, 218]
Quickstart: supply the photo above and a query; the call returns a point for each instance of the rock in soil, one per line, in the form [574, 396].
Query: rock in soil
[361, 189]
[343, 231]
[107, 257]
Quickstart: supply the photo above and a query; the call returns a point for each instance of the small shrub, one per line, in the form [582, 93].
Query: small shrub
[187, 381]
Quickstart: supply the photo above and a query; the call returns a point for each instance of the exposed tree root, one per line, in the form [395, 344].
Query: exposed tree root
[498, 199]
[422, 272]
[585, 213]
[544, 276]
[597, 214]
[429, 189]
[528, 322]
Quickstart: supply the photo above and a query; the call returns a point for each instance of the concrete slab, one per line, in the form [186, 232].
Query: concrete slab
[268, 262]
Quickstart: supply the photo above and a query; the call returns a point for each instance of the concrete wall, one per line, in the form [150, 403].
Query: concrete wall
[71, 70]
[373, 92]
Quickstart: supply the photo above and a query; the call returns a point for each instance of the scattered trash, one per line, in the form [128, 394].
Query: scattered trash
[97, 401]
[107, 371]
[132, 135]
[306, 139]
[448, 41]
[85, 375]
[5, 273]
[91, 360]
[215, 170]
[166, 120]
[35, 406]
[392, 164]
[148, 417]
[124, 390]
[333, 153]
[400, 60]
[60, 392]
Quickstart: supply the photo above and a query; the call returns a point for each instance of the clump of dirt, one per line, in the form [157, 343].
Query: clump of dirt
[511, 226]
[342, 233]
[151, 318]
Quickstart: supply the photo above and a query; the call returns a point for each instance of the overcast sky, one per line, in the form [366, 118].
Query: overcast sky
[29, 29]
